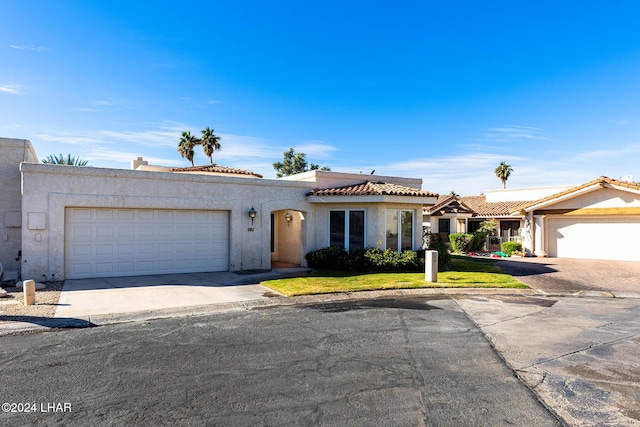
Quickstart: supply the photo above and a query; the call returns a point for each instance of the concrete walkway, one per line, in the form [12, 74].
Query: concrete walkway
[82, 298]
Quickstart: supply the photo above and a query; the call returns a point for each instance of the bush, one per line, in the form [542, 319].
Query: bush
[511, 247]
[460, 242]
[478, 241]
[330, 258]
[444, 257]
[365, 259]
[387, 260]
[362, 259]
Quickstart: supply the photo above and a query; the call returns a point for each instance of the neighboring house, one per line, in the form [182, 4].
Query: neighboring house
[12, 153]
[596, 220]
[454, 214]
[449, 215]
[81, 222]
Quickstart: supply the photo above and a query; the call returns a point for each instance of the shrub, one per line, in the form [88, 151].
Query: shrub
[444, 258]
[478, 241]
[365, 259]
[362, 259]
[511, 247]
[329, 258]
[390, 260]
[460, 242]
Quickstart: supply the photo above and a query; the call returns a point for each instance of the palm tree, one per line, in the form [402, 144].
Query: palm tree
[186, 145]
[210, 143]
[502, 172]
[52, 159]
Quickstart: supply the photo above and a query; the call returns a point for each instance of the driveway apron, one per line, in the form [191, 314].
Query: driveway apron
[565, 275]
[87, 297]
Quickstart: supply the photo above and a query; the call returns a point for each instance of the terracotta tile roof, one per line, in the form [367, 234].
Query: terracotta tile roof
[485, 209]
[369, 188]
[448, 201]
[603, 180]
[216, 169]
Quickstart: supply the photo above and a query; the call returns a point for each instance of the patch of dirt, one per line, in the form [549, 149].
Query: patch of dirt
[12, 307]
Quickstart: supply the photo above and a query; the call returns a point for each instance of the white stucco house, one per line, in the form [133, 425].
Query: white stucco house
[596, 220]
[62, 222]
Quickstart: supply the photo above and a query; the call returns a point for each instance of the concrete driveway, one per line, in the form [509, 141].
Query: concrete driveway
[564, 275]
[81, 298]
[580, 355]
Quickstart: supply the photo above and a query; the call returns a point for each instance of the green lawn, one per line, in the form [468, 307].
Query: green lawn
[465, 273]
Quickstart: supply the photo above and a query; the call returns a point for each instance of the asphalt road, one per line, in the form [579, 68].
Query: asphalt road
[406, 361]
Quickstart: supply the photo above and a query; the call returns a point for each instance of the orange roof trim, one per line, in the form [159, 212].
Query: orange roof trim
[602, 181]
[369, 188]
[216, 169]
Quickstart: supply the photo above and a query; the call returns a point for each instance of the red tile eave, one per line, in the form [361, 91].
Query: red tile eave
[372, 189]
[216, 169]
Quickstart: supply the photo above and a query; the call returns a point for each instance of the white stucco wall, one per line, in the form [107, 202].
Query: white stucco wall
[49, 189]
[601, 198]
[518, 194]
[13, 151]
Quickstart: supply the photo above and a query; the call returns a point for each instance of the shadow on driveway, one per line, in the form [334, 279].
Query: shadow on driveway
[49, 322]
[524, 268]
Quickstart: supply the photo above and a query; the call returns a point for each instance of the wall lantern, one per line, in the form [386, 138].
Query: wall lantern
[252, 214]
[288, 217]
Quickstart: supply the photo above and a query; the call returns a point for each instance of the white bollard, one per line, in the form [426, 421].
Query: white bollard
[431, 266]
[29, 288]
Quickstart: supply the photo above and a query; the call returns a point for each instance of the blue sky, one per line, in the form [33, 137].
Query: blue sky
[443, 91]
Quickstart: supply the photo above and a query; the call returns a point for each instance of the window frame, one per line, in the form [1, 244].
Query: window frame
[448, 220]
[399, 217]
[347, 228]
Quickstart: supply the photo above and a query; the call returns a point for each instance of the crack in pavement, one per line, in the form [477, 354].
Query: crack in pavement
[589, 347]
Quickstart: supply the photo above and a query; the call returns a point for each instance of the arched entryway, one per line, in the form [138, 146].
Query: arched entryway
[287, 226]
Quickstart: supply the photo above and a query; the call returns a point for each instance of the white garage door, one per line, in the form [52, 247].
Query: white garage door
[595, 238]
[129, 242]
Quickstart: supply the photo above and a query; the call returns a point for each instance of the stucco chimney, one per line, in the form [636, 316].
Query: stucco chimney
[135, 164]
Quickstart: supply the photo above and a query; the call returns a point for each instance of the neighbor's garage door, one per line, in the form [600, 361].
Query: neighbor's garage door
[595, 238]
[129, 242]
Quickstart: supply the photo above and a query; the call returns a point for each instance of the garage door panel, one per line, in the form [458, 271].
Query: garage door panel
[104, 214]
[594, 238]
[124, 215]
[125, 242]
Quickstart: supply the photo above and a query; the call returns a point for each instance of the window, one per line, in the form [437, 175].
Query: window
[346, 228]
[399, 230]
[473, 226]
[444, 225]
[509, 229]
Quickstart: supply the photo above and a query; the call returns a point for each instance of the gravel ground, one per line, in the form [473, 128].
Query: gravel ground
[12, 306]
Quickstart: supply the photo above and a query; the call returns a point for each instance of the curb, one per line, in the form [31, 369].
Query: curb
[17, 327]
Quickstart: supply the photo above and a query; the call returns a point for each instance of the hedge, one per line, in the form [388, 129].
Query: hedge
[374, 259]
